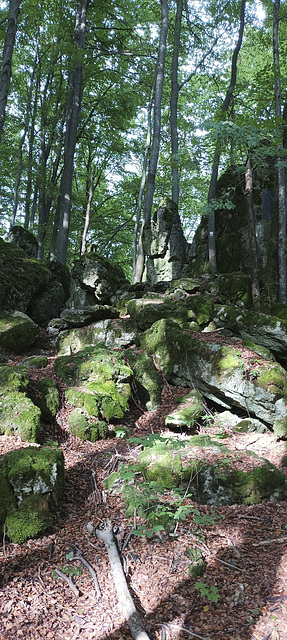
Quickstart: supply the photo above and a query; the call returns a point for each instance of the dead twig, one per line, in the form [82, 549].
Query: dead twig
[270, 541]
[125, 600]
[86, 564]
[96, 492]
[69, 582]
[228, 564]
[182, 628]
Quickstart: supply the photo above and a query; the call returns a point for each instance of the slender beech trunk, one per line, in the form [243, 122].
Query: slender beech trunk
[143, 181]
[280, 164]
[173, 105]
[90, 189]
[217, 152]
[139, 270]
[31, 138]
[73, 110]
[6, 68]
[22, 141]
[253, 249]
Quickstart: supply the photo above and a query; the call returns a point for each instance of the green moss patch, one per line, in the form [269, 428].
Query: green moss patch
[19, 416]
[47, 398]
[32, 518]
[31, 479]
[17, 331]
[149, 382]
[191, 409]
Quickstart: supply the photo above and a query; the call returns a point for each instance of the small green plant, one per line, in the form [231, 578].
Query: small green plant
[211, 593]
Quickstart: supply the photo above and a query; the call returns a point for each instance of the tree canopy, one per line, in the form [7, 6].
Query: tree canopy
[83, 98]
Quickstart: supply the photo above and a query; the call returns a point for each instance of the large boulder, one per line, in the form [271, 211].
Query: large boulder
[221, 371]
[17, 331]
[22, 277]
[165, 245]
[231, 228]
[98, 382]
[50, 301]
[120, 332]
[265, 330]
[148, 382]
[23, 239]
[94, 280]
[31, 480]
[18, 414]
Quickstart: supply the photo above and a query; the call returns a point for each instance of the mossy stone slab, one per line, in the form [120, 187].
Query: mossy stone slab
[31, 480]
[17, 331]
[19, 416]
[190, 409]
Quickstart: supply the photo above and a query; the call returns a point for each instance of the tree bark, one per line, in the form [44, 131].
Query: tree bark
[143, 181]
[6, 68]
[279, 164]
[22, 141]
[217, 153]
[173, 105]
[73, 110]
[253, 249]
[139, 270]
[90, 188]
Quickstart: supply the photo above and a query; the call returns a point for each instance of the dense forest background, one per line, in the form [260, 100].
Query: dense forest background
[113, 105]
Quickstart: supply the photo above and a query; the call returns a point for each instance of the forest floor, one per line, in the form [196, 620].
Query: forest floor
[245, 552]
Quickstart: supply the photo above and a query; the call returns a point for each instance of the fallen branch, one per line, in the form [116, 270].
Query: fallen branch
[270, 541]
[69, 581]
[86, 564]
[182, 628]
[125, 600]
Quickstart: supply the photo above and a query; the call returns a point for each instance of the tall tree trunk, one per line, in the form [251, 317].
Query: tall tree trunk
[31, 138]
[22, 141]
[90, 189]
[6, 68]
[217, 152]
[173, 105]
[73, 110]
[155, 141]
[253, 249]
[280, 163]
[143, 181]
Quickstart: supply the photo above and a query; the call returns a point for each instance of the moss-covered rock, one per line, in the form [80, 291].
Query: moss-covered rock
[94, 279]
[191, 408]
[219, 483]
[17, 331]
[32, 518]
[268, 331]
[201, 305]
[83, 317]
[100, 382]
[31, 481]
[22, 276]
[161, 464]
[119, 333]
[234, 288]
[148, 381]
[189, 285]
[47, 398]
[94, 364]
[79, 424]
[35, 362]
[19, 417]
[280, 428]
[250, 425]
[13, 379]
[218, 371]
[147, 311]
